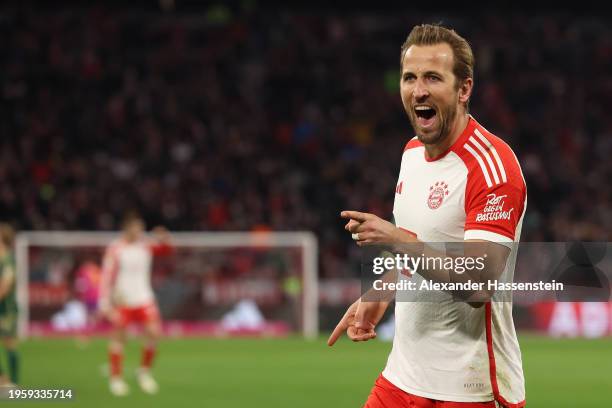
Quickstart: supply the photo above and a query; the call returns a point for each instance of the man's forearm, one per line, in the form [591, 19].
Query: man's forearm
[383, 295]
[492, 260]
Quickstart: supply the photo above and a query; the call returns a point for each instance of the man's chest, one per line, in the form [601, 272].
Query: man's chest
[135, 258]
[430, 197]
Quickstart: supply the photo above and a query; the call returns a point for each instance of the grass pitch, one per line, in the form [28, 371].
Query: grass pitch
[290, 373]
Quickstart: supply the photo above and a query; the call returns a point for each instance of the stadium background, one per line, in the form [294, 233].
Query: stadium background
[250, 118]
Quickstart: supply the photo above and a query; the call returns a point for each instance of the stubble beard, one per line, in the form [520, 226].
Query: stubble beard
[445, 118]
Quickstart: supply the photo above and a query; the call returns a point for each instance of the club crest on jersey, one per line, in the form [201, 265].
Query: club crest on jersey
[437, 192]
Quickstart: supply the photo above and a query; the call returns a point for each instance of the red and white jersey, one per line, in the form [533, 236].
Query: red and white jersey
[449, 350]
[127, 269]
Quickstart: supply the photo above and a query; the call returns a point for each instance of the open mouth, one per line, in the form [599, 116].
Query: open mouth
[425, 115]
[425, 112]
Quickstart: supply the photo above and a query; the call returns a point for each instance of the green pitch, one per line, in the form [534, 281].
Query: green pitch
[291, 372]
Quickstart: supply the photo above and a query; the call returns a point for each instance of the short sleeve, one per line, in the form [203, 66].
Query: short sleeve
[495, 193]
[493, 213]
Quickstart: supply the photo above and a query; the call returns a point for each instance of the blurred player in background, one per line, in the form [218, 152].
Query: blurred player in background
[457, 183]
[87, 285]
[87, 293]
[126, 296]
[8, 305]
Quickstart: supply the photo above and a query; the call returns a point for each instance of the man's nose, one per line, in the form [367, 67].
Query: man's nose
[420, 91]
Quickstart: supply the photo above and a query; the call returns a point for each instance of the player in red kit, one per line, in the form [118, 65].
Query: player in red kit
[458, 183]
[126, 297]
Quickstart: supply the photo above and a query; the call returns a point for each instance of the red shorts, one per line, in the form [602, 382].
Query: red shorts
[386, 395]
[141, 314]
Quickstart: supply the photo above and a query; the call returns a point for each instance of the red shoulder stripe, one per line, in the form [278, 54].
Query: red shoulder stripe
[412, 143]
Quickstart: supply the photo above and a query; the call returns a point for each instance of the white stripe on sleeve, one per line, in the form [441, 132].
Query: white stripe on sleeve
[482, 165]
[487, 156]
[495, 154]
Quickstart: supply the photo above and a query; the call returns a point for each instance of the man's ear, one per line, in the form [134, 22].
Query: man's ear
[465, 90]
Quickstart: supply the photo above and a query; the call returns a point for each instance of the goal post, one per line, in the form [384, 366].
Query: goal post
[204, 244]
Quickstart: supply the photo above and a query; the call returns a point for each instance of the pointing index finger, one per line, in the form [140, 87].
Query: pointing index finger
[340, 328]
[355, 215]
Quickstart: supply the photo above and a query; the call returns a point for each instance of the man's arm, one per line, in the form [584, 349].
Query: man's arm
[359, 321]
[371, 229]
[109, 272]
[361, 318]
[6, 282]
[363, 315]
[162, 244]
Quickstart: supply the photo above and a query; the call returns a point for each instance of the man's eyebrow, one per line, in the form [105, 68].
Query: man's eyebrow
[426, 73]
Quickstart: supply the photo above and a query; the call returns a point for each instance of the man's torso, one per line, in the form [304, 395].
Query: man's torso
[132, 281]
[441, 346]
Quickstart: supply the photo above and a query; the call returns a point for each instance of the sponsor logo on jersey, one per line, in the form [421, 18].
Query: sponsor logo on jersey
[494, 209]
[437, 192]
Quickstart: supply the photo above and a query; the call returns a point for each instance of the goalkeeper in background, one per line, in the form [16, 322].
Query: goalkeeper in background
[8, 306]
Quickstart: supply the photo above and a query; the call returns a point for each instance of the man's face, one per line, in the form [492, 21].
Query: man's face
[429, 92]
[134, 230]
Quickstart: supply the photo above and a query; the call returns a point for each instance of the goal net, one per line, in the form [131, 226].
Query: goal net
[210, 283]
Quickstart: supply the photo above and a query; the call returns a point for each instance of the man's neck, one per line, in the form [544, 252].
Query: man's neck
[459, 125]
[129, 239]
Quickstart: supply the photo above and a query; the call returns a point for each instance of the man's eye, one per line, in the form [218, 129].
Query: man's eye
[434, 78]
[408, 77]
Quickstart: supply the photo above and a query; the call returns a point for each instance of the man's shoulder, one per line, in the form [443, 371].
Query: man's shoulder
[490, 159]
[413, 143]
[115, 246]
[492, 141]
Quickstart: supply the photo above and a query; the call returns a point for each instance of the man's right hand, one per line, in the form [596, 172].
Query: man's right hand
[107, 311]
[359, 321]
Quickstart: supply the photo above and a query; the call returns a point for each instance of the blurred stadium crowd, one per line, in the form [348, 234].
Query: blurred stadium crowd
[243, 119]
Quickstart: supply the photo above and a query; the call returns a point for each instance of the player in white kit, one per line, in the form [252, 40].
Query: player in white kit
[457, 183]
[126, 297]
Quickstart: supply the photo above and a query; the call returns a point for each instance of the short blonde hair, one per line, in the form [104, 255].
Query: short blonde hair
[432, 34]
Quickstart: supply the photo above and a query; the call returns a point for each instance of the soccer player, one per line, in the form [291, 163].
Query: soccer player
[126, 296]
[8, 304]
[457, 183]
